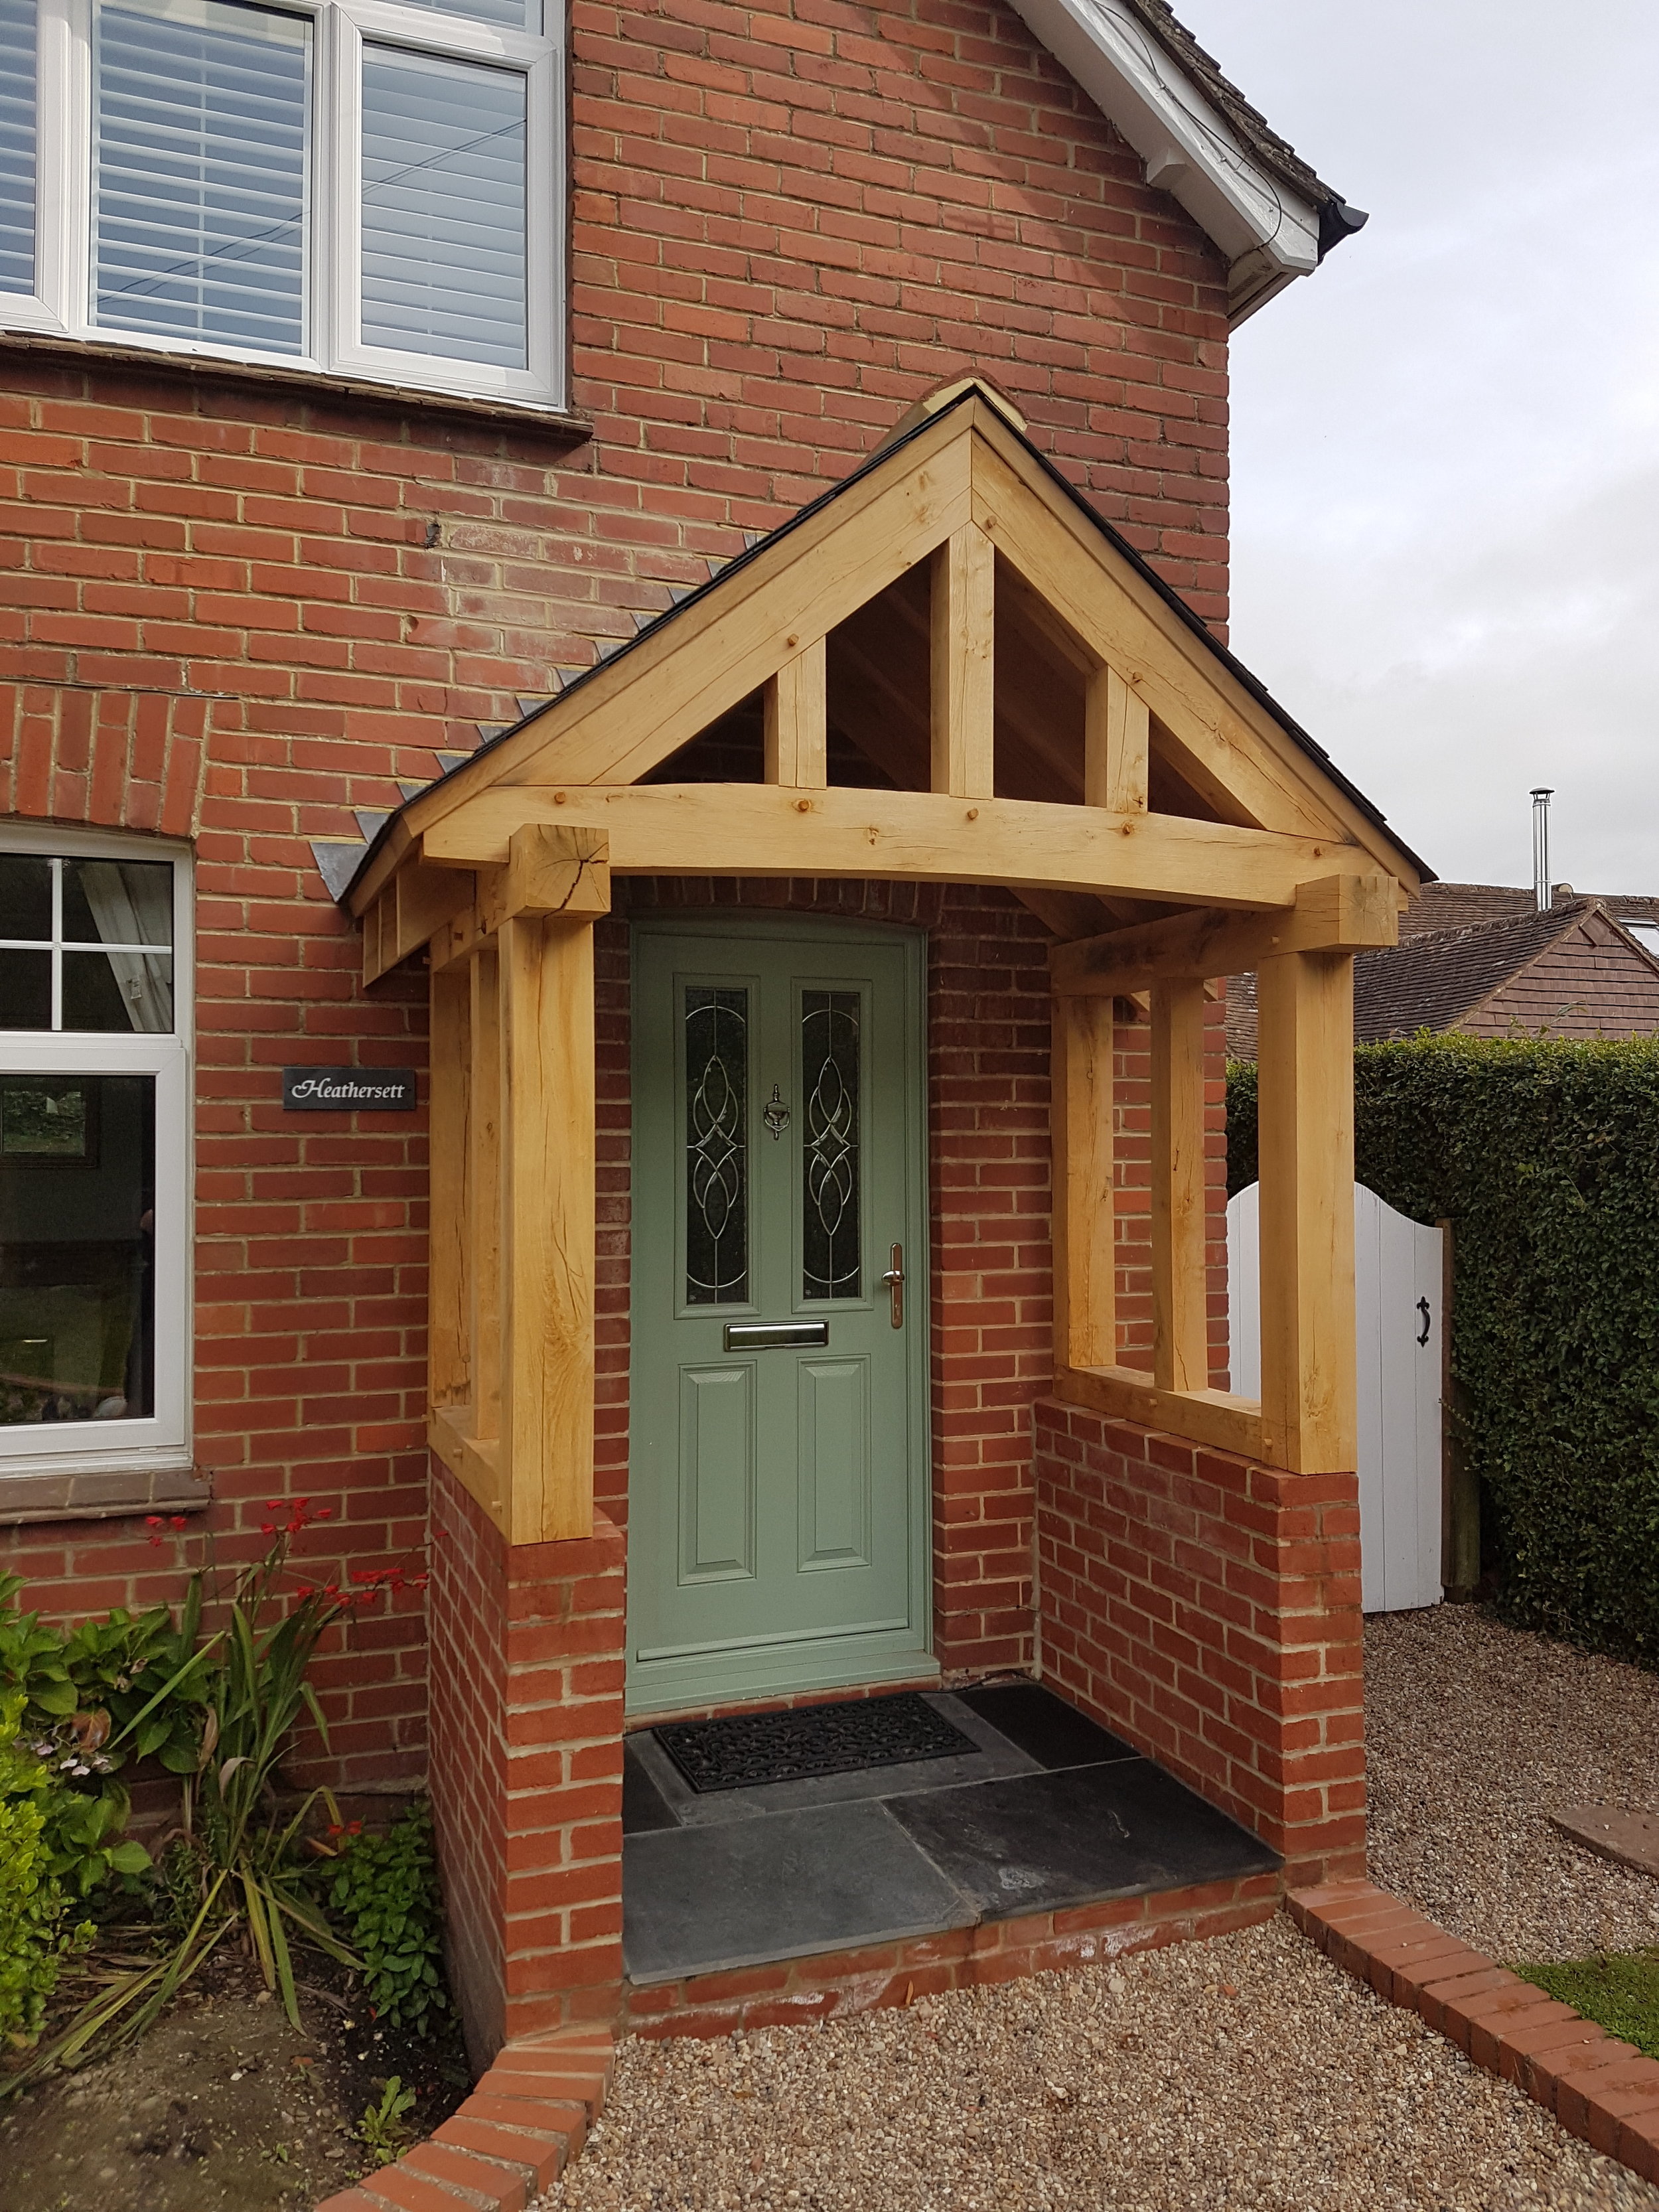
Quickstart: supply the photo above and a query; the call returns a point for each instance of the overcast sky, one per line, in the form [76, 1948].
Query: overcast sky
[1446, 442]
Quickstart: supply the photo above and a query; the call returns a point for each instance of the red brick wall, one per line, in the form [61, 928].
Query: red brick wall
[1209, 1611]
[527, 1769]
[234, 610]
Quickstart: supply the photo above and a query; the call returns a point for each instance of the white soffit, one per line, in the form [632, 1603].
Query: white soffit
[1268, 232]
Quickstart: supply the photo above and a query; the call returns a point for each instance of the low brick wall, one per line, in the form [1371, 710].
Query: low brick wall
[830, 1985]
[1599, 2088]
[514, 2135]
[1208, 1610]
[526, 1770]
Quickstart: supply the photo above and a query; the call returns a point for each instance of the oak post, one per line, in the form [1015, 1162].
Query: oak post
[449, 1325]
[1116, 744]
[796, 719]
[547, 1214]
[1306, 1092]
[963, 621]
[484, 1194]
[1179, 1323]
[1086, 1307]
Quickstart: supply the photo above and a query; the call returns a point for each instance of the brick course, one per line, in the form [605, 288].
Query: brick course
[1208, 1610]
[527, 1769]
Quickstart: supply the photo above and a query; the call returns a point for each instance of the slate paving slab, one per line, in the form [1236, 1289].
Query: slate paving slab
[1083, 1833]
[1044, 1726]
[821, 1878]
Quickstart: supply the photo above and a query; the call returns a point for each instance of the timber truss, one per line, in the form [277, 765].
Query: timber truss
[947, 668]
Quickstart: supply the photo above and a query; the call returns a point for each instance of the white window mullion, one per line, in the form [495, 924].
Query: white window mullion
[336, 170]
[543, 230]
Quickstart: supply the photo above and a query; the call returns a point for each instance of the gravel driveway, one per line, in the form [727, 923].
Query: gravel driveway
[1245, 2072]
[1475, 1733]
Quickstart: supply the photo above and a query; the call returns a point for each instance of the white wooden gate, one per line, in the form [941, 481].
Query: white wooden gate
[1397, 1297]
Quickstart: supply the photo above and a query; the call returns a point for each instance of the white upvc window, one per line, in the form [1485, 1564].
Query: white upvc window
[95, 1100]
[344, 186]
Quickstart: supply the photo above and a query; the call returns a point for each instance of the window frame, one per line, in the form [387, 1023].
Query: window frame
[161, 1441]
[62, 304]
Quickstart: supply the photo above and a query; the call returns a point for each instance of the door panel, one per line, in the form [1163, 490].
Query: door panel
[833, 1464]
[717, 1473]
[778, 1526]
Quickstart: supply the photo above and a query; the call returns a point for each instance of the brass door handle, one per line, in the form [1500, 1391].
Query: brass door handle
[894, 1279]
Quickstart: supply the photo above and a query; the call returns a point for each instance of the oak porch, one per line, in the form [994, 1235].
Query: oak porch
[1262, 857]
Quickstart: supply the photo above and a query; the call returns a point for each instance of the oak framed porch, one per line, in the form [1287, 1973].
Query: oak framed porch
[947, 670]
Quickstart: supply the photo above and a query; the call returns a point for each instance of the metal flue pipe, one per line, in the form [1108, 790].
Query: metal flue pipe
[1540, 847]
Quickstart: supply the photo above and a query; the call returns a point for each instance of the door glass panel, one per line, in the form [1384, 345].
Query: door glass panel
[716, 1146]
[77, 1243]
[829, 1183]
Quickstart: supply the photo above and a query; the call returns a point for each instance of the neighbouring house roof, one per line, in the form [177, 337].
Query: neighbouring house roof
[1459, 906]
[1262, 205]
[1570, 972]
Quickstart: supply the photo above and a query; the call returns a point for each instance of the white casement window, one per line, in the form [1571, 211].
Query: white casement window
[94, 1153]
[342, 185]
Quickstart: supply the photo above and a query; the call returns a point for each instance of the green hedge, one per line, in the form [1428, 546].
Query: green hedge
[1545, 1158]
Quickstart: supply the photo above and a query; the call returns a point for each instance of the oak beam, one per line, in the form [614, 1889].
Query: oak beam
[547, 1214]
[484, 1193]
[449, 1366]
[963, 622]
[1116, 744]
[1085, 1310]
[906, 837]
[1305, 1013]
[797, 722]
[1200, 1417]
[1331, 914]
[1180, 1318]
[552, 868]
[413, 907]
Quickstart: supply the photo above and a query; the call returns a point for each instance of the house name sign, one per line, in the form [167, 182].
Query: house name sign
[347, 1090]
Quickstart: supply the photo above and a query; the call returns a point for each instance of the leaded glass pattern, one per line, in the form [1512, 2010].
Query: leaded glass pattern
[716, 1146]
[831, 1051]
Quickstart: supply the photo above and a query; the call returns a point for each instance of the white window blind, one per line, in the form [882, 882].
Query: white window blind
[443, 208]
[365, 187]
[200, 131]
[17, 102]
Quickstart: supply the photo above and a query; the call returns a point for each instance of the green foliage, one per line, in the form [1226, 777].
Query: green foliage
[239, 1866]
[115, 1666]
[35, 1931]
[1618, 1991]
[383, 2127]
[1545, 1158]
[385, 1893]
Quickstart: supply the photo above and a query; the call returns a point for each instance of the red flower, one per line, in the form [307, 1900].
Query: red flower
[154, 1521]
[178, 1520]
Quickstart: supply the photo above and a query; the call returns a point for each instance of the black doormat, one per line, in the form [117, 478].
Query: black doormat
[741, 1750]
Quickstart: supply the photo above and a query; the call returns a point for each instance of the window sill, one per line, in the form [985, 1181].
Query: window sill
[103, 1493]
[550, 421]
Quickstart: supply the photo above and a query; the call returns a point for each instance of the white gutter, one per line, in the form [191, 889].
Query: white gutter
[1268, 233]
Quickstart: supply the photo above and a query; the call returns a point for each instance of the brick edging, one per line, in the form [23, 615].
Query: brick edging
[521, 2126]
[1597, 2088]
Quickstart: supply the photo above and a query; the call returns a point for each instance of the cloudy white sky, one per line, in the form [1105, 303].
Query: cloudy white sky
[1446, 443]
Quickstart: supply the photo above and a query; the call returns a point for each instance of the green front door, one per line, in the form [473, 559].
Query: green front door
[777, 1517]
